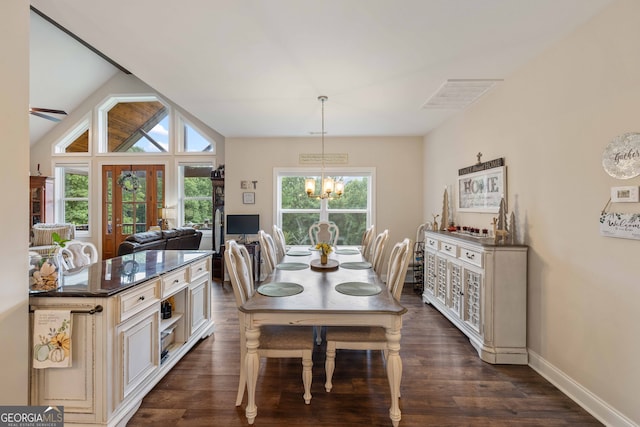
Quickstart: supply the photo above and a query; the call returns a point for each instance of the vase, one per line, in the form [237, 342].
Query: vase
[43, 273]
[323, 259]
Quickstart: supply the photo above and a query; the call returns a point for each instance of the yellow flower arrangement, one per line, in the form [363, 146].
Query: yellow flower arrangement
[324, 248]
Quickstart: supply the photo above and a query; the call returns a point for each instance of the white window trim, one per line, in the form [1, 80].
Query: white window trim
[180, 142]
[58, 147]
[316, 171]
[59, 198]
[181, 196]
[104, 107]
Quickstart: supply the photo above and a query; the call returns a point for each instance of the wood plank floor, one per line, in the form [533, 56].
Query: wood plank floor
[444, 383]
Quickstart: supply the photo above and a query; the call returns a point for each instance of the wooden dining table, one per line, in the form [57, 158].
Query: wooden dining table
[319, 303]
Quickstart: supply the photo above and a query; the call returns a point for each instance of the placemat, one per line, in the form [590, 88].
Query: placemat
[280, 289]
[299, 252]
[358, 288]
[292, 266]
[356, 265]
[347, 251]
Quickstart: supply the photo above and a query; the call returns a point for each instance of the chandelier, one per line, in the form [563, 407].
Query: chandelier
[330, 188]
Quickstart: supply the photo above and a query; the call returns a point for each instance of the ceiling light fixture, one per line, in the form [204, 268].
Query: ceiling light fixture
[330, 188]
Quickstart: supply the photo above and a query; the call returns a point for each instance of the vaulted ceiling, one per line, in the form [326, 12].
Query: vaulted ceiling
[256, 68]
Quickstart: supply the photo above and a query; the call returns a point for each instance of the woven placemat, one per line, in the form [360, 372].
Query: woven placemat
[292, 266]
[280, 289]
[356, 265]
[361, 289]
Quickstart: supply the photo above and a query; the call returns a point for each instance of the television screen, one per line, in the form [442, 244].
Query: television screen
[243, 224]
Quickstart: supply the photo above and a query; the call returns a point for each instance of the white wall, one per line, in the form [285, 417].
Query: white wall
[14, 123]
[551, 121]
[397, 161]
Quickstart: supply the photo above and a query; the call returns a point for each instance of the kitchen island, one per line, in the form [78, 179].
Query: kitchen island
[133, 318]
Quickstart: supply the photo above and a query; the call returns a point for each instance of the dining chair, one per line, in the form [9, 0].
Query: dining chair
[76, 253]
[268, 250]
[367, 240]
[281, 244]
[368, 337]
[324, 231]
[275, 341]
[377, 251]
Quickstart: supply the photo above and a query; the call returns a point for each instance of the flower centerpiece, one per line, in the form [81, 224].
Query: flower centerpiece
[44, 273]
[325, 249]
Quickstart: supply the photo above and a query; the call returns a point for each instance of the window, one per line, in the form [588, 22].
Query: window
[194, 141]
[76, 141]
[196, 195]
[134, 125]
[72, 184]
[352, 213]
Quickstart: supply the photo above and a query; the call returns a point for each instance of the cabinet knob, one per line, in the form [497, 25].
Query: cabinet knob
[141, 298]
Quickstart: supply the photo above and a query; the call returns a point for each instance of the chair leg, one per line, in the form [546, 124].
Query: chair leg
[318, 333]
[307, 376]
[330, 364]
[242, 384]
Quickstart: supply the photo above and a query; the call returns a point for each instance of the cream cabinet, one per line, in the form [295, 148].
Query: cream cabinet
[482, 289]
[120, 353]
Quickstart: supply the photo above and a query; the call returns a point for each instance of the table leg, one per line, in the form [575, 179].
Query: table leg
[394, 373]
[252, 364]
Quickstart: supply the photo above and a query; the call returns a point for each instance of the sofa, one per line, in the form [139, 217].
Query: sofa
[184, 238]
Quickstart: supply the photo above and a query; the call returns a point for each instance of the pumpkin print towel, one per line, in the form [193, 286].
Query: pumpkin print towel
[51, 339]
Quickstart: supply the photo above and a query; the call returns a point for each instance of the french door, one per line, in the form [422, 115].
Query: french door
[132, 198]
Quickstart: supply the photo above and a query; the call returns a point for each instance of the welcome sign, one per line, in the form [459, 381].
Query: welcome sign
[482, 191]
[625, 226]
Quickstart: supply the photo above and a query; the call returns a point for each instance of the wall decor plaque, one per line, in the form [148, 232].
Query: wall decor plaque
[481, 191]
[623, 225]
[621, 158]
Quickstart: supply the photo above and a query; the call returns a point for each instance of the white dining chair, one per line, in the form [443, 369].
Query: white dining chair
[275, 341]
[268, 250]
[324, 231]
[281, 244]
[367, 241]
[368, 337]
[377, 250]
[76, 253]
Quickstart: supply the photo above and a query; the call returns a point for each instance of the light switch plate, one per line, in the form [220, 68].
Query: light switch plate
[628, 194]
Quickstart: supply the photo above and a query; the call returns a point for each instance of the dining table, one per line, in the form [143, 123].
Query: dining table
[344, 292]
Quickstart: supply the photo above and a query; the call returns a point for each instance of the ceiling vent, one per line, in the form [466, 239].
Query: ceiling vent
[456, 94]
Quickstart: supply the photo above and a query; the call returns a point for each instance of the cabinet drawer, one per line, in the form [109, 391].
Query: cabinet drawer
[449, 248]
[174, 281]
[198, 268]
[137, 299]
[432, 243]
[471, 256]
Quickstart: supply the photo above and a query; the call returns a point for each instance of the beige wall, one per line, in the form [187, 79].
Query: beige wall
[551, 121]
[397, 162]
[14, 122]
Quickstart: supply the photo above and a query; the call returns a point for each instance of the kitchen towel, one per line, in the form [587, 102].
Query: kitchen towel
[51, 339]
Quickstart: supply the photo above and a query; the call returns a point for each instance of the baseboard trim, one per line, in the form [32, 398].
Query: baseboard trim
[591, 403]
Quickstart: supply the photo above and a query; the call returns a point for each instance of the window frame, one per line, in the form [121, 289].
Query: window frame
[60, 170]
[324, 210]
[83, 125]
[181, 193]
[182, 121]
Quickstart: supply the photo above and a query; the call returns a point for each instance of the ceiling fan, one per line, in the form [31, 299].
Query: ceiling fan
[45, 113]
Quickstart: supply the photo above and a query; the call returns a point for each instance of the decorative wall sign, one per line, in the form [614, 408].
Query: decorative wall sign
[625, 226]
[481, 191]
[621, 158]
[248, 198]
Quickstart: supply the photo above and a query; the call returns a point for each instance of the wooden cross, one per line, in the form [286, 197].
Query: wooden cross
[479, 156]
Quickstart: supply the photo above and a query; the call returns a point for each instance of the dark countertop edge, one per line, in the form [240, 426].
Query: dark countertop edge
[89, 294]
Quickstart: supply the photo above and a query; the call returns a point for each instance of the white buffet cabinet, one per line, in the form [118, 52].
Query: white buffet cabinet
[482, 289]
[116, 353]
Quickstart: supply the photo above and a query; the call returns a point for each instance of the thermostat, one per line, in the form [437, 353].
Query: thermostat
[624, 194]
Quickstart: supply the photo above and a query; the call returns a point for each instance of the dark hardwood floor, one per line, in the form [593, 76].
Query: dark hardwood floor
[444, 383]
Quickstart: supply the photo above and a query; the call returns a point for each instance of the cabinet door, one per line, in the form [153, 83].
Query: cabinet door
[455, 289]
[199, 304]
[441, 279]
[430, 273]
[472, 299]
[139, 350]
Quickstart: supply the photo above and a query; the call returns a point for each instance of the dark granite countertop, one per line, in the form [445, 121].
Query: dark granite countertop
[114, 275]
